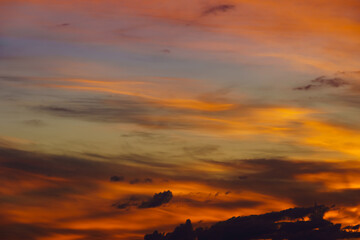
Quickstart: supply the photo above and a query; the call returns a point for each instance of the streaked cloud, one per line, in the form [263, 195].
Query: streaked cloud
[218, 9]
[323, 82]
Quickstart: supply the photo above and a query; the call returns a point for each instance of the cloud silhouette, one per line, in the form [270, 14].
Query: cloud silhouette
[157, 200]
[218, 9]
[287, 224]
[116, 178]
[323, 81]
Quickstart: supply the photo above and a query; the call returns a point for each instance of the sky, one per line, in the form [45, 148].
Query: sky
[121, 117]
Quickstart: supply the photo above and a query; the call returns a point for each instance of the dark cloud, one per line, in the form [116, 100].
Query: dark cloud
[54, 165]
[123, 205]
[218, 9]
[67, 176]
[274, 225]
[148, 180]
[157, 200]
[281, 178]
[123, 110]
[18, 164]
[323, 81]
[352, 228]
[117, 178]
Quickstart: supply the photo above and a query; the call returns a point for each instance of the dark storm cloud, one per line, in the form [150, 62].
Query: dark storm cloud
[322, 82]
[218, 9]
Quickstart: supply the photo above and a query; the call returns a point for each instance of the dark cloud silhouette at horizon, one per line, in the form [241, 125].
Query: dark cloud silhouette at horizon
[286, 224]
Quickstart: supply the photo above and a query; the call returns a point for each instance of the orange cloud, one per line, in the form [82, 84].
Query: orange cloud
[306, 34]
[332, 137]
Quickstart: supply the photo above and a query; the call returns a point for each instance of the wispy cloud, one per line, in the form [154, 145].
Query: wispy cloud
[218, 9]
[322, 82]
[81, 194]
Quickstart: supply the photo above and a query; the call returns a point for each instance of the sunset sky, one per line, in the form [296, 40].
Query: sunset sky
[237, 107]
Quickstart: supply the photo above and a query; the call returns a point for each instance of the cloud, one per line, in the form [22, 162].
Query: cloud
[286, 224]
[218, 9]
[322, 82]
[269, 177]
[63, 25]
[348, 81]
[42, 181]
[123, 110]
[303, 182]
[157, 200]
[116, 178]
